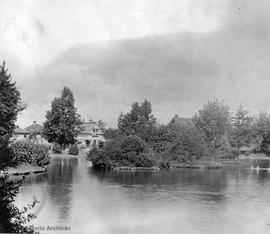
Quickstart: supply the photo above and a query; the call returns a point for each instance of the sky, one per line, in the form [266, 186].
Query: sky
[176, 53]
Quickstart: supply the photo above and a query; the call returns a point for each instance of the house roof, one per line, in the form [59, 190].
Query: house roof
[20, 131]
[31, 128]
[89, 126]
[34, 127]
[181, 121]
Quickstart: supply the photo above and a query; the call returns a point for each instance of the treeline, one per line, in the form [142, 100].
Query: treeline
[213, 132]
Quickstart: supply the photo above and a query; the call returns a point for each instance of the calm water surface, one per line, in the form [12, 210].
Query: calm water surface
[71, 194]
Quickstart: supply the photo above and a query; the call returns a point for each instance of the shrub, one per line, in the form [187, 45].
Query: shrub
[133, 143]
[73, 150]
[143, 160]
[24, 151]
[100, 159]
[56, 148]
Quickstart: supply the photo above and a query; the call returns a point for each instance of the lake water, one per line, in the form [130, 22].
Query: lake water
[232, 200]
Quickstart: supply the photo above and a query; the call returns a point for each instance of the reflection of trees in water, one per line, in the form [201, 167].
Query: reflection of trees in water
[205, 184]
[60, 179]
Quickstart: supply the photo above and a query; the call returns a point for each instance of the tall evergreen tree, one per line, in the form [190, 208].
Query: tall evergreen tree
[62, 122]
[10, 106]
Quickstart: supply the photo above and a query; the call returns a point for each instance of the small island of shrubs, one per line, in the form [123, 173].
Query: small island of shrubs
[140, 142]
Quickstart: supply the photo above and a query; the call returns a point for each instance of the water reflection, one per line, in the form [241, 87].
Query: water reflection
[166, 201]
[60, 180]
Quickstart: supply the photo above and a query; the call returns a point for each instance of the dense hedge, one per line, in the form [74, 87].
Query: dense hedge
[133, 144]
[24, 151]
[129, 151]
[73, 150]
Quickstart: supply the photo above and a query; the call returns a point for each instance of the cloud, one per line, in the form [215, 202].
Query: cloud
[177, 54]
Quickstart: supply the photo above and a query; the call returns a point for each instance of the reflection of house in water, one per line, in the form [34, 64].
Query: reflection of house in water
[34, 130]
[91, 134]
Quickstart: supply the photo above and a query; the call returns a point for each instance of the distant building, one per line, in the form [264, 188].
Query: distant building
[91, 135]
[176, 120]
[24, 133]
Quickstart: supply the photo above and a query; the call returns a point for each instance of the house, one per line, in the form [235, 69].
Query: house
[176, 120]
[32, 131]
[90, 135]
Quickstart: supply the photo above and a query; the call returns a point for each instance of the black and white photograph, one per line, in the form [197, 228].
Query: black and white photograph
[135, 116]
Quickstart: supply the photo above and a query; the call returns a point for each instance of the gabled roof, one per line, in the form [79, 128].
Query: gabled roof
[20, 131]
[31, 128]
[34, 127]
[181, 121]
[89, 126]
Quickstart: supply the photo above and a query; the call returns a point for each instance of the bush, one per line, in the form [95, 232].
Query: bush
[36, 154]
[133, 144]
[143, 160]
[73, 150]
[56, 148]
[99, 159]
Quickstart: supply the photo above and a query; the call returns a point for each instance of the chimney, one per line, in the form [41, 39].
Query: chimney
[34, 122]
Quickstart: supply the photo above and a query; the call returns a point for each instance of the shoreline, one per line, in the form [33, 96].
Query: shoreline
[23, 169]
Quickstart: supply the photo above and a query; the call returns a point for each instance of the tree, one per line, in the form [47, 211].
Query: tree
[101, 124]
[62, 122]
[10, 106]
[139, 121]
[242, 128]
[214, 121]
[13, 220]
[261, 129]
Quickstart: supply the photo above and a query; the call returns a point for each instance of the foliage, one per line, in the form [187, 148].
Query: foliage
[73, 150]
[62, 122]
[10, 106]
[13, 220]
[139, 160]
[139, 121]
[133, 143]
[130, 151]
[242, 128]
[214, 121]
[33, 137]
[101, 124]
[56, 148]
[261, 132]
[111, 133]
[7, 157]
[100, 159]
[26, 151]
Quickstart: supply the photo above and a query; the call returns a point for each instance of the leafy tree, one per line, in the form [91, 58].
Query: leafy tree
[101, 124]
[62, 122]
[111, 133]
[139, 121]
[261, 131]
[242, 128]
[10, 106]
[214, 121]
[185, 144]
